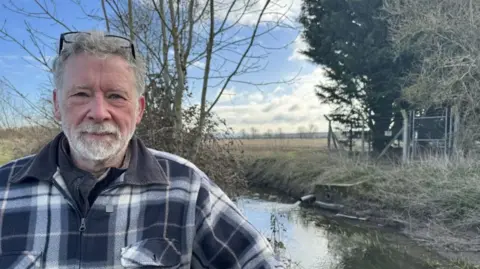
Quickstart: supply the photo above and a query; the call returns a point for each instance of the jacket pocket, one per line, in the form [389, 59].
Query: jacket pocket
[151, 252]
[20, 260]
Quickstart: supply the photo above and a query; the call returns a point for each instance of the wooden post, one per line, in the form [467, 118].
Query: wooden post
[363, 138]
[351, 137]
[406, 140]
[336, 144]
[329, 135]
[456, 130]
[445, 149]
[329, 139]
[369, 141]
[450, 132]
[414, 137]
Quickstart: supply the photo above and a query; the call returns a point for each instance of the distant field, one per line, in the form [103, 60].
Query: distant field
[284, 143]
[264, 146]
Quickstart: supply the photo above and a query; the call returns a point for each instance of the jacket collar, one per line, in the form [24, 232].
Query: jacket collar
[143, 168]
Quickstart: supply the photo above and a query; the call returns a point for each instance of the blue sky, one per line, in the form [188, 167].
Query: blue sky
[270, 107]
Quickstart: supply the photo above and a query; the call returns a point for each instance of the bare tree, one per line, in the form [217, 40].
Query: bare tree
[18, 109]
[7, 112]
[312, 129]
[254, 132]
[269, 134]
[107, 24]
[280, 134]
[175, 37]
[243, 134]
[443, 37]
[301, 131]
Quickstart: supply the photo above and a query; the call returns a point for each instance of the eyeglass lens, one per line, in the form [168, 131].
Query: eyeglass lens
[69, 38]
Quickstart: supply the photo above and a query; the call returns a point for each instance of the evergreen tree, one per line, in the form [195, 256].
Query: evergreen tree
[349, 38]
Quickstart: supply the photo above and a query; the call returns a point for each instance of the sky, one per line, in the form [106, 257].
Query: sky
[256, 100]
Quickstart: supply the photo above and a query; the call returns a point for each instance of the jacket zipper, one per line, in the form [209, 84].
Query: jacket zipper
[81, 230]
[83, 225]
[82, 219]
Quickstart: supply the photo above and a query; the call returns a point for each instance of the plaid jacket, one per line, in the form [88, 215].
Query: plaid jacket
[163, 212]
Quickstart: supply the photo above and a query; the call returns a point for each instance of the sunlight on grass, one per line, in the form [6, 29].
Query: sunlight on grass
[6, 151]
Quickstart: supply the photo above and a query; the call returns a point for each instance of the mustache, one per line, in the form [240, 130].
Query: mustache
[99, 128]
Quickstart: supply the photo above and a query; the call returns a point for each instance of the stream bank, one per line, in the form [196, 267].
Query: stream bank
[305, 239]
[381, 197]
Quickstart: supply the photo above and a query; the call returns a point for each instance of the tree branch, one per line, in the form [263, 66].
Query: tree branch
[105, 16]
[243, 57]
[52, 17]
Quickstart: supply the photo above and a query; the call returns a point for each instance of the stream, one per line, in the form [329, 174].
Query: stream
[307, 240]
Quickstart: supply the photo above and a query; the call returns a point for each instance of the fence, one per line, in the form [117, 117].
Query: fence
[419, 135]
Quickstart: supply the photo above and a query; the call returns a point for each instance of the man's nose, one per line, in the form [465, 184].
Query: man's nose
[98, 111]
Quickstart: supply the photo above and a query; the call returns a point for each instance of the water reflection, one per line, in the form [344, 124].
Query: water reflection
[311, 241]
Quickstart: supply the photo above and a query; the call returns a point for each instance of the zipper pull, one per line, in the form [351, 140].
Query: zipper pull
[82, 225]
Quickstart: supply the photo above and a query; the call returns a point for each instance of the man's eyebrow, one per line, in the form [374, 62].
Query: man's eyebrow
[81, 87]
[117, 89]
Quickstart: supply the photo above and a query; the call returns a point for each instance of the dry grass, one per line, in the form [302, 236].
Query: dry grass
[16, 143]
[261, 148]
[6, 151]
[279, 144]
[289, 146]
[435, 196]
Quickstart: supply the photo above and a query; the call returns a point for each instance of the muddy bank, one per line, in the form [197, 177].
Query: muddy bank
[336, 200]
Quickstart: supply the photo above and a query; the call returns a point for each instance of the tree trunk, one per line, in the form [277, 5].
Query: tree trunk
[203, 112]
[130, 21]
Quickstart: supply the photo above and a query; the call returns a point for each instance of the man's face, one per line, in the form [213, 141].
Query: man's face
[98, 105]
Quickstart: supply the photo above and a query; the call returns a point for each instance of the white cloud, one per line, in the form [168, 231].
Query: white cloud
[227, 97]
[199, 64]
[280, 8]
[255, 97]
[298, 46]
[288, 111]
[247, 11]
[278, 89]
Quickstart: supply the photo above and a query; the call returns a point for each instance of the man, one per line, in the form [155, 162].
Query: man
[96, 197]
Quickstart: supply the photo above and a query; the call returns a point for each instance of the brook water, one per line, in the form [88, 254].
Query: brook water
[312, 241]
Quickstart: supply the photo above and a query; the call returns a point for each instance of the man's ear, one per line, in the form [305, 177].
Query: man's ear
[141, 108]
[56, 105]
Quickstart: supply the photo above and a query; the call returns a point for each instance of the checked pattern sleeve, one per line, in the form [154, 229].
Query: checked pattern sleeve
[224, 237]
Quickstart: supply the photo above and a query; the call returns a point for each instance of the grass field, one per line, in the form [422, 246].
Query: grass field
[278, 144]
[261, 148]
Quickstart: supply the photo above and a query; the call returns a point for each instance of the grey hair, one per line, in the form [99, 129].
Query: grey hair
[95, 43]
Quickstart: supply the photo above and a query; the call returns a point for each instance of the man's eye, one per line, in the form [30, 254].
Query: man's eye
[81, 94]
[115, 96]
